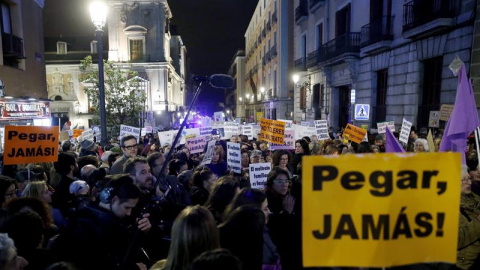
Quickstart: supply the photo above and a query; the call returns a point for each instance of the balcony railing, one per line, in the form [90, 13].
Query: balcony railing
[418, 12]
[12, 46]
[301, 64]
[346, 43]
[273, 51]
[376, 31]
[274, 17]
[140, 58]
[313, 58]
[301, 11]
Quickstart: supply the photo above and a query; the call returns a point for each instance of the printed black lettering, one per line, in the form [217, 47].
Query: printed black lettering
[327, 228]
[410, 180]
[423, 222]
[402, 227]
[427, 177]
[323, 173]
[386, 185]
[368, 225]
[353, 180]
[346, 227]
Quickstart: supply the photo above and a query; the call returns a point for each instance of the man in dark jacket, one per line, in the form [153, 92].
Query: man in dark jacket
[98, 235]
[66, 166]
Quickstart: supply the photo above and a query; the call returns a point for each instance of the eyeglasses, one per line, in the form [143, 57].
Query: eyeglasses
[284, 159]
[281, 181]
[466, 180]
[130, 147]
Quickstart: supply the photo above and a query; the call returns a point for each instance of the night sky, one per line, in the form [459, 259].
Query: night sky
[212, 30]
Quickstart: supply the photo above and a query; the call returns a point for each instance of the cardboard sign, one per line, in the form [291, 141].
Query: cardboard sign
[88, 134]
[128, 130]
[234, 158]
[259, 174]
[405, 131]
[434, 119]
[196, 144]
[207, 159]
[248, 131]
[256, 131]
[445, 111]
[288, 142]
[77, 132]
[230, 128]
[322, 130]
[382, 127]
[396, 209]
[30, 144]
[355, 134]
[272, 131]
[166, 137]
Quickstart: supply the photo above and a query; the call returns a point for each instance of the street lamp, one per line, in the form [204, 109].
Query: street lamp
[98, 14]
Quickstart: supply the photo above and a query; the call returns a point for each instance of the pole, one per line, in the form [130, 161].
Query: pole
[101, 87]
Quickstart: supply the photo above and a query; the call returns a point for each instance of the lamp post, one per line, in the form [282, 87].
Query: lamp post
[98, 14]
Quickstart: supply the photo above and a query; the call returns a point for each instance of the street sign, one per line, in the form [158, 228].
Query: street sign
[362, 111]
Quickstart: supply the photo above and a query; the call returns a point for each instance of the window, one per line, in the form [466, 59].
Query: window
[136, 49]
[319, 35]
[430, 93]
[303, 47]
[61, 47]
[303, 97]
[382, 86]
[342, 19]
[5, 19]
[93, 47]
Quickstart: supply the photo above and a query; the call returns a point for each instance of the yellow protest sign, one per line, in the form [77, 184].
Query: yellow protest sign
[380, 210]
[77, 132]
[27, 144]
[272, 131]
[355, 134]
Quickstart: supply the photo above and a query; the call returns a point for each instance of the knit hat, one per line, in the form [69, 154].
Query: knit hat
[88, 145]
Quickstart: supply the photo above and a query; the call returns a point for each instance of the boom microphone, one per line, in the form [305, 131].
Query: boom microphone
[216, 80]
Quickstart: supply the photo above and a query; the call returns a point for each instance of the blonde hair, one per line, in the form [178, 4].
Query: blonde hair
[35, 189]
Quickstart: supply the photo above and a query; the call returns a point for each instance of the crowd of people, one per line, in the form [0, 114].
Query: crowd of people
[115, 208]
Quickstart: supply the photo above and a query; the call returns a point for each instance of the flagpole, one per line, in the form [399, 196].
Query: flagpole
[477, 134]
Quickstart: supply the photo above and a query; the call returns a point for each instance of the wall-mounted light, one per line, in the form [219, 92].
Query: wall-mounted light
[352, 96]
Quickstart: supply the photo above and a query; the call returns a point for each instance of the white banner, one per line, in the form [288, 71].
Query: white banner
[234, 158]
[207, 159]
[87, 135]
[258, 174]
[382, 127]
[302, 131]
[288, 124]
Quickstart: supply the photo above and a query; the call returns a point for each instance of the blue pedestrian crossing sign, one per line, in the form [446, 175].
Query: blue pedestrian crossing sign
[362, 111]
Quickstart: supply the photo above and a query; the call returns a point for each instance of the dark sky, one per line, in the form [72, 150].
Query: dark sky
[212, 30]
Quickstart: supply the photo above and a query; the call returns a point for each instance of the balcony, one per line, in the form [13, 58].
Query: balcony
[268, 56]
[259, 39]
[421, 18]
[274, 17]
[377, 35]
[264, 33]
[301, 12]
[315, 4]
[273, 51]
[12, 46]
[301, 64]
[346, 43]
[313, 58]
[269, 26]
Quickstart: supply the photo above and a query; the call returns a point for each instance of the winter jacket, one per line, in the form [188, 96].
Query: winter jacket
[469, 231]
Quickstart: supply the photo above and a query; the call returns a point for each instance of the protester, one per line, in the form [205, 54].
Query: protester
[7, 190]
[128, 144]
[301, 149]
[281, 158]
[217, 259]
[66, 166]
[9, 260]
[218, 165]
[203, 181]
[41, 191]
[193, 233]
[421, 145]
[222, 194]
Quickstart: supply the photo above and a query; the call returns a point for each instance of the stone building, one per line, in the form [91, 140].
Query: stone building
[392, 55]
[237, 71]
[138, 38]
[268, 89]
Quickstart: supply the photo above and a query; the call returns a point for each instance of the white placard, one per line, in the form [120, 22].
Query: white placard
[128, 130]
[382, 127]
[166, 137]
[405, 131]
[197, 144]
[322, 130]
[256, 131]
[87, 134]
[206, 131]
[207, 159]
[259, 174]
[230, 128]
[288, 124]
[234, 158]
[288, 141]
[248, 131]
[302, 131]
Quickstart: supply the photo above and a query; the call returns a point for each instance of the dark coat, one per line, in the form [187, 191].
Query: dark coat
[61, 198]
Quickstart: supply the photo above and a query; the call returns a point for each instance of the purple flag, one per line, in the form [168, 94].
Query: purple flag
[391, 143]
[463, 120]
